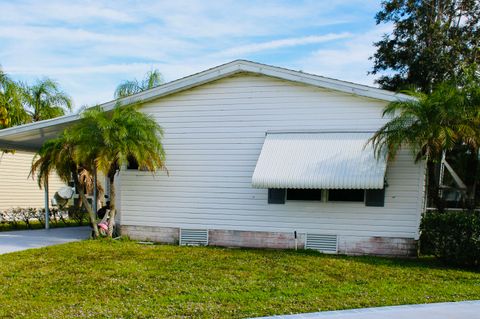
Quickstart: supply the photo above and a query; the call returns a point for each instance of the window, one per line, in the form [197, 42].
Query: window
[304, 194]
[132, 163]
[371, 197]
[346, 195]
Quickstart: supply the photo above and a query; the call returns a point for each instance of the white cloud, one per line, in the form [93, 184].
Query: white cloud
[90, 46]
[282, 43]
[61, 11]
[349, 61]
[96, 69]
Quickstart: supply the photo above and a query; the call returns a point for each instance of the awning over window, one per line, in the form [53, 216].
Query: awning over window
[319, 160]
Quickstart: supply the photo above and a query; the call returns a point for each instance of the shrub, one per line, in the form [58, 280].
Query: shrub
[26, 215]
[13, 216]
[78, 214]
[33, 218]
[452, 236]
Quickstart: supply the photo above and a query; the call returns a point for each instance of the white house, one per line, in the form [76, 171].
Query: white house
[261, 156]
[17, 187]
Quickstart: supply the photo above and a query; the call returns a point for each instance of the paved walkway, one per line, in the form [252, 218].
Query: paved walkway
[11, 241]
[446, 310]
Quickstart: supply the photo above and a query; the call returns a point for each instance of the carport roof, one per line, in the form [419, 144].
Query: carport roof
[30, 137]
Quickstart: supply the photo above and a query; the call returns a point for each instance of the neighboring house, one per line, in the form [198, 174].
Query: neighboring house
[17, 188]
[258, 154]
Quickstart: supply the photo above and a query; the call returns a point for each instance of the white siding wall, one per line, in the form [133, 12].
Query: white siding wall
[16, 188]
[213, 137]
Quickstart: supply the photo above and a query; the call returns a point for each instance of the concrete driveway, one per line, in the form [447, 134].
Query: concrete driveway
[11, 241]
[445, 310]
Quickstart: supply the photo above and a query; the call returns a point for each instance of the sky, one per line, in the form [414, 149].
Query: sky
[89, 47]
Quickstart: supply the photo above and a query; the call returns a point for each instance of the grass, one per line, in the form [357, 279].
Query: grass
[122, 279]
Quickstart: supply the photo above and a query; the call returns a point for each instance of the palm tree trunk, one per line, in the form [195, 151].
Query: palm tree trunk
[91, 214]
[111, 221]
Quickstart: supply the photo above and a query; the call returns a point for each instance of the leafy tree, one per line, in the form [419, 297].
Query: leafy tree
[44, 100]
[152, 79]
[432, 41]
[11, 108]
[57, 155]
[111, 139]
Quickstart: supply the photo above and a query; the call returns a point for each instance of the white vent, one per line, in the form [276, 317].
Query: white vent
[193, 237]
[322, 243]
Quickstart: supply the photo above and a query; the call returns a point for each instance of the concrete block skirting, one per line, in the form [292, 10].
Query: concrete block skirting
[378, 246]
[166, 235]
[349, 245]
[255, 239]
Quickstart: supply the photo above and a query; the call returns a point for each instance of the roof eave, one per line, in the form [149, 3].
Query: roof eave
[219, 72]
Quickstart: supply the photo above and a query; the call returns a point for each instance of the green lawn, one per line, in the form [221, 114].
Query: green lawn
[122, 279]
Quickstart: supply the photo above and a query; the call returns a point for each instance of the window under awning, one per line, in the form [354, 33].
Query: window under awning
[319, 160]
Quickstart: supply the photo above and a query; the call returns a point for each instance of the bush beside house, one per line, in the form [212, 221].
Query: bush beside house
[453, 236]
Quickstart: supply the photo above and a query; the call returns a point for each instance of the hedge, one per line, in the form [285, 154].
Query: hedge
[32, 218]
[452, 236]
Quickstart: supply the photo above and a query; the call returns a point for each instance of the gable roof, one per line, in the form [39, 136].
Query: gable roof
[37, 132]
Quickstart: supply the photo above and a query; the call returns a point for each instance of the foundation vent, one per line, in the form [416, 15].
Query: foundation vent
[193, 237]
[322, 243]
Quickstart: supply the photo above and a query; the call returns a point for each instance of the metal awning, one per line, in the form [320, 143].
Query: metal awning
[30, 137]
[322, 160]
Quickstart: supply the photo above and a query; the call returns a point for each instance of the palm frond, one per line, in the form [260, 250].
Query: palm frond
[45, 100]
[428, 125]
[127, 88]
[152, 79]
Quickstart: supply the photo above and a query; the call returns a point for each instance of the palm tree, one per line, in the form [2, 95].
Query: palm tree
[44, 100]
[429, 124]
[110, 140]
[57, 155]
[152, 79]
[11, 108]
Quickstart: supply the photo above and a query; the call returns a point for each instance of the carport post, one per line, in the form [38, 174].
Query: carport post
[95, 191]
[47, 209]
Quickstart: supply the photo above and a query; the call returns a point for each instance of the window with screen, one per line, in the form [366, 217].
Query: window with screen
[304, 194]
[346, 195]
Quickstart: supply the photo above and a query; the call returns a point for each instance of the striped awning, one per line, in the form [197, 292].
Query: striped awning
[319, 160]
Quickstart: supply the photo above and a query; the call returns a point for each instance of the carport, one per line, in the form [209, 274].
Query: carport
[30, 137]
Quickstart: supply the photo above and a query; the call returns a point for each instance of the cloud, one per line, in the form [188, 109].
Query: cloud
[282, 43]
[349, 61]
[90, 46]
[97, 69]
[46, 12]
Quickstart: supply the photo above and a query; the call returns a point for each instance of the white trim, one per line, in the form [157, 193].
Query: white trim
[218, 72]
[39, 125]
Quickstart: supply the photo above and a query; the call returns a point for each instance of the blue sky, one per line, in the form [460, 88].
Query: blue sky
[91, 46]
